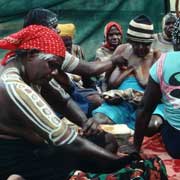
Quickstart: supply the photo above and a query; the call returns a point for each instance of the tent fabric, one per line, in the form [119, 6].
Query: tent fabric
[89, 17]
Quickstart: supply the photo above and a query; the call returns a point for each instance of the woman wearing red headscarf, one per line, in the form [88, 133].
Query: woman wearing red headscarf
[112, 38]
[113, 34]
[34, 142]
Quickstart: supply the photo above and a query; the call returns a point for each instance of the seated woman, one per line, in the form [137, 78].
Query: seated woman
[163, 40]
[113, 35]
[135, 75]
[46, 147]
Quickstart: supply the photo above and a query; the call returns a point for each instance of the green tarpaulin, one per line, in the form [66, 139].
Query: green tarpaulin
[89, 17]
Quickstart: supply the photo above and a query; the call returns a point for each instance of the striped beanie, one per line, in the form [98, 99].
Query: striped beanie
[140, 29]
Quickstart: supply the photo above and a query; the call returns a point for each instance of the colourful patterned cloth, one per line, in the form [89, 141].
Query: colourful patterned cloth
[152, 169]
[151, 146]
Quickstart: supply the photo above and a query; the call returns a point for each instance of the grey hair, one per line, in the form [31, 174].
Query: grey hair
[45, 56]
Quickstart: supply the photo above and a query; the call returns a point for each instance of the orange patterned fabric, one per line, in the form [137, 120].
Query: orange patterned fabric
[34, 37]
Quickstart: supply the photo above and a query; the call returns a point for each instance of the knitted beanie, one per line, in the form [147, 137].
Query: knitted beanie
[140, 29]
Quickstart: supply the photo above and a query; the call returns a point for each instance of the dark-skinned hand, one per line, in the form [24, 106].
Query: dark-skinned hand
[118, 60]
[91, 127]
[115, 100]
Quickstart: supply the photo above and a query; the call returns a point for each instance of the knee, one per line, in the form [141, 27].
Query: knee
[96, 100]
[15, 177]
[102, 118]
[111, 143]
[105, 140]
[154, 125]
[155, 122]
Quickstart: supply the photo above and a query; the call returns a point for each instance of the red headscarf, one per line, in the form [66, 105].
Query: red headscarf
[33, 37]
[107, 29]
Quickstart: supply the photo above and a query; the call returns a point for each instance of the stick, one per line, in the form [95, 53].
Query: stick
[177, 8]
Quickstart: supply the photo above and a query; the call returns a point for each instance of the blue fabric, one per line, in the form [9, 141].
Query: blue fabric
[159, 110]
[125, 113]
[79, 95]
[80, 100]
[130, 82]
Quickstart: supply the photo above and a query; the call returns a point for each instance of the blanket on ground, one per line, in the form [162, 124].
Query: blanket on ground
[151, 146]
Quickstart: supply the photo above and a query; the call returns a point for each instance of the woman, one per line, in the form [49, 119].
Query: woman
[135, 76]
[34, 142]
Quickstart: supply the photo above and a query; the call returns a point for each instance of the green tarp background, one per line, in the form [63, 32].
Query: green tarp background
[89, 17]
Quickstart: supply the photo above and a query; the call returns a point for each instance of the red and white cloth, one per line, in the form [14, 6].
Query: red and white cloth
[33, 37]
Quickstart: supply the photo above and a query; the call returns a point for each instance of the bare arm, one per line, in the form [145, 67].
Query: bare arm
[92, 68]
[87, 156]
[177, 8]
[61, 102]
[29, 108]
[93, 158]
[118, 76]
[98, 67]
[120, 72]
[146, 108]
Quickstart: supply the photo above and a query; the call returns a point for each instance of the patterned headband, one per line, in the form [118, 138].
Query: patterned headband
[176, 32]
[52, 21]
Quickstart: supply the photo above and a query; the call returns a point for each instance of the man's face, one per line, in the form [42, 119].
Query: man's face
[114, 37]
[168, 27]
[41, 67]
[141, 49]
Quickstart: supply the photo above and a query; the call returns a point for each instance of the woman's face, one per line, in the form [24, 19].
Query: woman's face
[42, 67]
[141, 49]
[168, 26]
[114, 37]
